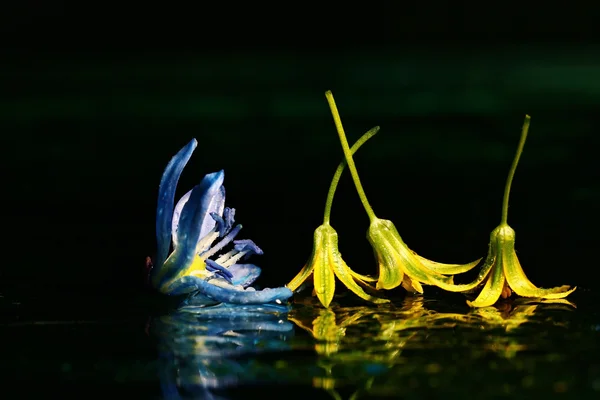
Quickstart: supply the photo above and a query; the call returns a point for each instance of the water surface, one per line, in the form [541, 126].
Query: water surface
[417, 347]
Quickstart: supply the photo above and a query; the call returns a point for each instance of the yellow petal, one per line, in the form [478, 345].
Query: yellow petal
[413, 267]
[446, 269]
[324, 279]
[343, 272]
[492, 289]
[467, 287]
[364, 278]
[390, 272]
[522, 286]
[412, 285]
[301, 277]
[395, 252]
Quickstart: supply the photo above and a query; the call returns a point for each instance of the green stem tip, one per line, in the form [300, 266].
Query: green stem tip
[348, 155]
[513, 168]
[338, 172]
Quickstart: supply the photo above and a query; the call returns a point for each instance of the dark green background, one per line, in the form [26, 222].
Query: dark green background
[95, 102]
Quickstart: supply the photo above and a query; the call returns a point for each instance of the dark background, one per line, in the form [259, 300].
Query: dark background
[96, 100]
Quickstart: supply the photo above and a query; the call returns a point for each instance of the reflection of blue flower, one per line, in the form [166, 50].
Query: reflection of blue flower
[200, 226]
[204, 350]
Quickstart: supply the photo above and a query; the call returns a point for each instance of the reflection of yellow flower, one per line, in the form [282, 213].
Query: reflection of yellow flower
[398, 265]
[502, 269]
[513, 315]
[327, 330]
[353, 344]
[509, 318]
[326, 261]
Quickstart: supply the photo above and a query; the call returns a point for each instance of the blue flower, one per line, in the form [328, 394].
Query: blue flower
[201, 228]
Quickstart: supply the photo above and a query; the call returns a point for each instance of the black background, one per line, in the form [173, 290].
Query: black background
[96, 100]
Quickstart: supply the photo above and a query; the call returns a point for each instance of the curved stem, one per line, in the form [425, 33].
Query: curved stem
[338, 172]
[348, 155]
[513, 168]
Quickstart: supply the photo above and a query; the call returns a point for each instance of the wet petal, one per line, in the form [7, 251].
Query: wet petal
[197, 300]
[396, 258]
[181, 286]
[230, 294]
[418, 272]
[411, 285]
[342, 271]
[446, 269]
[214, 267]
[192, 217]
[468, 287]
[522, 286]
[244, 274]
[324, 278]
[225, 222]
[364, 278]
[215, 207]
[247, 245]
[166, 200]
[299, 279]
[390, 272]
[492, 289]
[228, 219]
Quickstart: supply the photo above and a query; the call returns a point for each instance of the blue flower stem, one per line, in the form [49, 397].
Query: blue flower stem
[348, 155]
[338, 172]
[513, 168]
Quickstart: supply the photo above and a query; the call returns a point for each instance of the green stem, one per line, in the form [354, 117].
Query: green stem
[513, 168]
[338, 172]
[348, 155]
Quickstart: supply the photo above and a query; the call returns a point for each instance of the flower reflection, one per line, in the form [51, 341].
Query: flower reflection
[364, 346]
[508, 317]
[218, 347]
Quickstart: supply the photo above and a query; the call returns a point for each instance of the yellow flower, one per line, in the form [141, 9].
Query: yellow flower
[325, 264]
[326, 261]
[502, 268]
[398, 265]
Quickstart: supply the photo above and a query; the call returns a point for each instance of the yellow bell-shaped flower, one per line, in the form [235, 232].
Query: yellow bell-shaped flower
[326, 263]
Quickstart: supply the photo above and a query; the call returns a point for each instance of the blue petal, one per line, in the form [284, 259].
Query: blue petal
[190, 223]
[225, 223]
[197, 300]
[183, 286]
[166, 198]
[220, 223]
[235, 296]
[214, 267]
[247, 245]
[244, 274]
[229, 218]
[215, 207]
